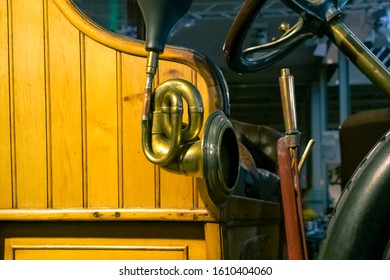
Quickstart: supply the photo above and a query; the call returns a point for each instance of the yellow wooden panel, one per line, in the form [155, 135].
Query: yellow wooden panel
[102, 253]
[199, 189]
[32, 248]
[65, 97]
[208, 100]
[176, 190]
[204, 91]
[213, 241]
[5, 131]
[30, 107]
[138, 172]
[101, 125]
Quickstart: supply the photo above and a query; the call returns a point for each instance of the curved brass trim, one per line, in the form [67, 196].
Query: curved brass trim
[200, 63]
[164, 136]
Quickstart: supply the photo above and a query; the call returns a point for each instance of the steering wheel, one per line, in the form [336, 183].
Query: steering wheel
[313, 18]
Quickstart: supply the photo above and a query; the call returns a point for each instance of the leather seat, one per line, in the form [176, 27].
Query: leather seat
[358, 134]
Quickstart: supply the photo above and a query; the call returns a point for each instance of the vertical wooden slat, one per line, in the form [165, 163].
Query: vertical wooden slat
[176, 190]
[208, 105]
[29, 97]
[138, 172]
[101, 110]
[66, 144]
[195, 191]
[157, 168]
[83, 120]
[120, 128]
[5, 125]
[12, 105]
[208, 101]
[157, 186]
[49, 195]
[213, 240]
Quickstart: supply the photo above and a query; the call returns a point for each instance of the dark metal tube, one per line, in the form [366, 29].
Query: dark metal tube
[360, 55]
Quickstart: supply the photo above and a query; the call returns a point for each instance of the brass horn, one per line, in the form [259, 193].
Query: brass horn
[167, 132]
[176, 146]
[166, 141]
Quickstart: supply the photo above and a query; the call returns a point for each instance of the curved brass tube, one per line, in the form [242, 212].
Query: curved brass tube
[176, 147]
[163, 140]
[166, 95]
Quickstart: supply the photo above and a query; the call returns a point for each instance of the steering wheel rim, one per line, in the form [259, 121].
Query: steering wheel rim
[238, 59]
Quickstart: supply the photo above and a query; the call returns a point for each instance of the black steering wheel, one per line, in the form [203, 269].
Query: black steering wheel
[313, 18]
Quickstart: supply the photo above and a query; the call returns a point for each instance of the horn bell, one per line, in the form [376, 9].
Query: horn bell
[221, 163]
